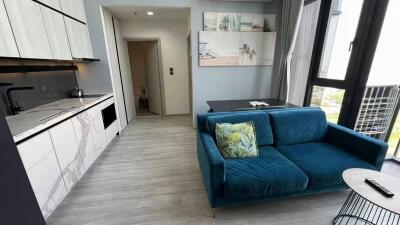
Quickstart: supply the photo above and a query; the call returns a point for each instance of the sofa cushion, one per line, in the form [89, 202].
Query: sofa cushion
[298, 126]
[236, 140]
[322, 162]
[260, 120]
[267, 174]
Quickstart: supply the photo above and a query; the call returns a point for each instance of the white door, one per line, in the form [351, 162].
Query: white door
[52, 3]
[67, 151]
[56, 33]
[84, 136]
[78, 37]
[8, 47]
[114, 68]
[41, 165]
[28, 27]
[153, 79]
[74, 8]
[97, 129]
[125, 71]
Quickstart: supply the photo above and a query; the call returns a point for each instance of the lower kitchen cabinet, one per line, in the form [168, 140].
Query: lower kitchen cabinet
[84, 137]
[40, 162]
[57, 158]
[67, 151]
[96, 123]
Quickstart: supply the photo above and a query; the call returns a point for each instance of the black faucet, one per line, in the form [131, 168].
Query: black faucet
[14, 106]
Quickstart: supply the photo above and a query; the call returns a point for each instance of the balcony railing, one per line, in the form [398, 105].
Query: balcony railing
[378, 112]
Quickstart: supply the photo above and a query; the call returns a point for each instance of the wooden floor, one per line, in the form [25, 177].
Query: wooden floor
[150, 175]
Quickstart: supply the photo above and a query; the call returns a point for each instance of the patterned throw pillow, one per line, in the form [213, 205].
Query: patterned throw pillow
[236, 140]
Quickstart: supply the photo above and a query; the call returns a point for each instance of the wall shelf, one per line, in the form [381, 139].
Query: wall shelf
[25, 65]
[35, 68]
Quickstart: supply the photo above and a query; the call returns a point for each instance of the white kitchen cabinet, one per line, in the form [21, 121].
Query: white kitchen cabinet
[84, 137]
[8, 47]
[56, 33]
[52, 3]
[97, 126]
[28, 27]
[74, 8]
[78, 39]
[67, 151]
[40, 162]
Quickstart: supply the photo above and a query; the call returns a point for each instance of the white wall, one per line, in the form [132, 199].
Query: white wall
[173, 38]
[224, 83]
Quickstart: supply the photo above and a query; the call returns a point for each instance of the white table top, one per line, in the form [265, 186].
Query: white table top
[355, 179]
[42, 117]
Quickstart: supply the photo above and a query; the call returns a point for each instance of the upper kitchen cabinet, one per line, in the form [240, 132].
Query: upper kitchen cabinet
[79, 41]
[74, 8]
[56, 33]
[8, 47]
[28, 26]
[55, 4]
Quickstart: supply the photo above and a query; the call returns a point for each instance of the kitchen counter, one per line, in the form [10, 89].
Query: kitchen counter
[42, 117]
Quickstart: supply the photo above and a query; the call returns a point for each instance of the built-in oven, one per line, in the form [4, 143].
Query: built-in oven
[109, 115]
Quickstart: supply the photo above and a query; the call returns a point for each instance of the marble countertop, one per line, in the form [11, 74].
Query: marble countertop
[42, 117]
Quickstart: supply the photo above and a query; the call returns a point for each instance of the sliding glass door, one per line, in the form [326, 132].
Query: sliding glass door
[345, 41]
[378, 115]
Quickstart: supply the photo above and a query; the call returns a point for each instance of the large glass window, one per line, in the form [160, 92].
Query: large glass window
[329, 100]
[342, 26]
[385, 73]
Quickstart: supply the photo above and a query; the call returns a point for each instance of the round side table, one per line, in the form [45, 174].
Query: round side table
[365, 205]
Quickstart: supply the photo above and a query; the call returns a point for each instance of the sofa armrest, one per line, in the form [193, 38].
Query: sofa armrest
[367, 148]
[212, 165]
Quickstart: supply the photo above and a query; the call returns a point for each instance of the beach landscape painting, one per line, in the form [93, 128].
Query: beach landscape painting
[269, 23]
[210, 21]
[236, 48]
[219, 48]
[244, 22]
[228, 22]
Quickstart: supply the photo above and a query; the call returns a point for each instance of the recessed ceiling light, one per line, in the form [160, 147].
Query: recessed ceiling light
[150, 13]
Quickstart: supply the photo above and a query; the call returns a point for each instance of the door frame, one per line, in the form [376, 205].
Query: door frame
[160, 66]
[360, 61]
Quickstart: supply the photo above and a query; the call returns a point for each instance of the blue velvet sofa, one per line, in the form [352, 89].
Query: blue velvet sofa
[300, 153]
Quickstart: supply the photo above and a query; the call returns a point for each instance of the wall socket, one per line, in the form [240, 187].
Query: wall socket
[171, 71]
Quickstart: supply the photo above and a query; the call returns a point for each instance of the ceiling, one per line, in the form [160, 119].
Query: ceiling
[160, 13]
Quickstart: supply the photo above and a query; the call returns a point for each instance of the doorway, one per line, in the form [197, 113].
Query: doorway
[146, 77]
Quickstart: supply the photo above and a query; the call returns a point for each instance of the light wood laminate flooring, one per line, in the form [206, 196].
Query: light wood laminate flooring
[150, 175]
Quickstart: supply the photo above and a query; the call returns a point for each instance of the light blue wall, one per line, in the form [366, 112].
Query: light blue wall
[208, 83]
[223, 83]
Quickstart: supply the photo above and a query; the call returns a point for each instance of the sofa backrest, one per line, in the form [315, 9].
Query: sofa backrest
[298, 126]
[261, 122]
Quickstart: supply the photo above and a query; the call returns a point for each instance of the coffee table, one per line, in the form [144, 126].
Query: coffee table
[365, 205]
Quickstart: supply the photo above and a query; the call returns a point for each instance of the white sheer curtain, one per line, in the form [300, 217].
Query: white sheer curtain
[291, 14]
[301, 58]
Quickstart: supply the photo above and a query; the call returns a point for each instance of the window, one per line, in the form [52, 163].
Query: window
[341, 30]
[329, 100]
